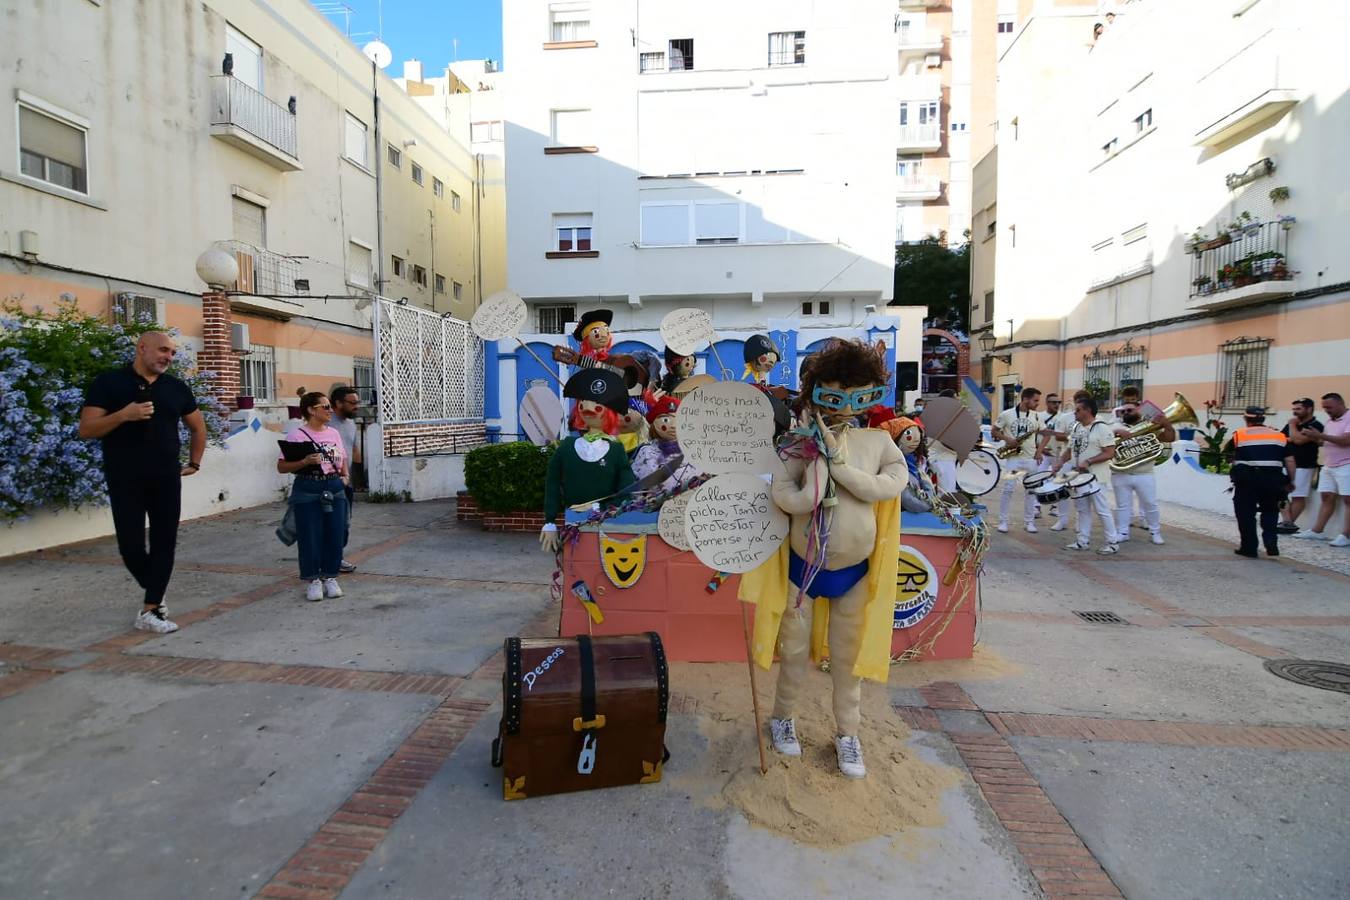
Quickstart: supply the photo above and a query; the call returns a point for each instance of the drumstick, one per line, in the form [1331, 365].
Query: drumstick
[754, 689]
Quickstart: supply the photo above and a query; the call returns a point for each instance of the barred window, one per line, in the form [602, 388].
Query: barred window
[363, 379]
[554, 319]
[1244, 367]
[258, 372]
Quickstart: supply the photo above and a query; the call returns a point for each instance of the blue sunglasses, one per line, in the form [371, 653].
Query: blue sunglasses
[832, 399]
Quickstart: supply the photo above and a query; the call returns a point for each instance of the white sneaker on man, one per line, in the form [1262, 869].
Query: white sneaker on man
[783, 732]
[1031, 528]
[1002, 527]
[154, 620]
[1309, 534]
[1078, 545]
[1341, 541]
[315, 590]
[1156, 538]
[346, 567]
[331, 589]
[850, 756]
[1058, 526]
[1109, 549]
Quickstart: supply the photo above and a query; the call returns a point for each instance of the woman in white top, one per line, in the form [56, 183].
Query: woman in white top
[318, 497]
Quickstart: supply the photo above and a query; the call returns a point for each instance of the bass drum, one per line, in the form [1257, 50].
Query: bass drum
[979, 474]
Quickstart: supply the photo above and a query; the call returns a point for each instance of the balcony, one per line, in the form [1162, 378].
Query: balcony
[1242, 267]
[244, 118]
[268, 281]
[927, 136]
[1249, 90]
[918, 187]
[914, 43]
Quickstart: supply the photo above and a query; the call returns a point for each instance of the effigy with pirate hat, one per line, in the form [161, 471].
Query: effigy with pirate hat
[594, 335]
[761, 355]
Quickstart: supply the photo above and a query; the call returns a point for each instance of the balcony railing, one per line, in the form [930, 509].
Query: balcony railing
[926, 135]
[264, 272]
[917, 40]
[1254, 255]
[918, 187]
[238, 107]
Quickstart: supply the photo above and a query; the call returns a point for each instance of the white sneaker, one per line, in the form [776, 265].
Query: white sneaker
[1078, 545]
[1309, 535]
[1031, 528]
[784, 735]
[331, 589]
[850, 756]
[1109, 549]
[1058, 526]
[1341, 541]
[1156, 538]
[315, 590]
[1123, 537]
[1002, 527]
[155, 621]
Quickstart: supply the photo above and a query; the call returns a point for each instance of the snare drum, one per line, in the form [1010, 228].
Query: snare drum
[1033, 480]
[1084, 484]
[1052, 492]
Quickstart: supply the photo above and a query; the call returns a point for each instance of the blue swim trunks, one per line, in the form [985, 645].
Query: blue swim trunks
[828, 582]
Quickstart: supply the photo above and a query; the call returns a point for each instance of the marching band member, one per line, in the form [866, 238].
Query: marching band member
[1091, 448]
[1019, 427]
[1139, 481]
[1058, 424]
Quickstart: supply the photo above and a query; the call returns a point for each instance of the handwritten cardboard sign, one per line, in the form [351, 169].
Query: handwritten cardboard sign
[671, 521]
[500, 316]
[946, 419]
[686, 330]
[725, 427]
[732, 524]
[541, 414]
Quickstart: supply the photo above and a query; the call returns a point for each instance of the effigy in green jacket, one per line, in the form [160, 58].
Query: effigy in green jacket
[573, 480]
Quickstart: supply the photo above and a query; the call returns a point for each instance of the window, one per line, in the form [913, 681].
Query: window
[420, 276]
[818, 308]
[717, 223]
[358, 264]
[437, 187]
[991, 229]
[664, 224]
[1243, 369]
[439, 284]
[569, 22]
[417, 173]
[989, 306]
[1134, 249]
[1097, 371]
[554, 319]
[485, 131]
[397, 266]
[129, 309]
[53, 150]
[363, 379]
[1110, 146]
[1144, 120]
[573, 232]
[908, 167]
[681, 55]
[245, 57]
[457, 290]
[652, 62]
[570, 127]
[355, 147]
[807, 308]
[455, 202]
[395, 157]
[787, 48]
[958, 126]
[823, 308]
[921, 112]
[258, 372]
[250, 221]
[1005, 27]
[1104, 266]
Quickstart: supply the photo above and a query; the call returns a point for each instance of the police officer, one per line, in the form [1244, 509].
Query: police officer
[1262, 474]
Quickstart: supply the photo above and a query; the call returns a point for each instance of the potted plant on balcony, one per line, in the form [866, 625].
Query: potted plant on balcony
[1287, 222]
[1279, 194]
[1203, 285]
[1264, 263]
[1224, 277]
[1194, 242]
[1242, 274]
[1250, 226]
[1217, 241]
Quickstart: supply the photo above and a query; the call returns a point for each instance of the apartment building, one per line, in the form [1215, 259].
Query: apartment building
[1168, 212]
[145, 134]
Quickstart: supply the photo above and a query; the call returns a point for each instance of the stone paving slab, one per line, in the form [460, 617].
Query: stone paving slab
[1177, 823]
[462, 550]
[123, 786]
[1325, 642]
[1224, 528]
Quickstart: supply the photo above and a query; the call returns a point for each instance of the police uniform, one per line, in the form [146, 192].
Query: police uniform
[1260, 477]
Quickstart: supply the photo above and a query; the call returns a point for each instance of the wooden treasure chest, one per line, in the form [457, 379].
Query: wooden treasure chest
[581, 713]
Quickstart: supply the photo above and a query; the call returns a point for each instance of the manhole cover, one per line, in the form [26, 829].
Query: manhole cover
[1100, 617]
[1328, 676]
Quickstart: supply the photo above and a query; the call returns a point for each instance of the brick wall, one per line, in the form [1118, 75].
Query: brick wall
[405, 439]
[523, 522]
[217, 353]
[466, 508]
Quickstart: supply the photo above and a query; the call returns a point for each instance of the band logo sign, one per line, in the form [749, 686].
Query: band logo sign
[916, 587]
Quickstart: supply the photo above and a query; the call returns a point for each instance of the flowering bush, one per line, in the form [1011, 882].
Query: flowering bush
[46, 365]
[1215, 455]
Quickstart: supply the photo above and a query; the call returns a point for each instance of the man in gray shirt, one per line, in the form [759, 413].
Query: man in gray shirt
[345, 401]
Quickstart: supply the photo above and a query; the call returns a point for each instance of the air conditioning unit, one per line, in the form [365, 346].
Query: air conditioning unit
[239, 336]
[128, 309]
[933, 60]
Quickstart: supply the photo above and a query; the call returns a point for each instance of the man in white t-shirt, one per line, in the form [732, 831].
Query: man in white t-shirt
[1058, 424]
[1019, 427]
[1092, 445]
[1139, 481]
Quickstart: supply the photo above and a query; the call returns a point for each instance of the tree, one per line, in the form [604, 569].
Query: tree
[928, 273]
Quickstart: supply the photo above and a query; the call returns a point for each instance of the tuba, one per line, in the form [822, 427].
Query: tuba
[1143, 446]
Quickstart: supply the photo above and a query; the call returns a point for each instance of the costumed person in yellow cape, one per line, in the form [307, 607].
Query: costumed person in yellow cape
[831, 587]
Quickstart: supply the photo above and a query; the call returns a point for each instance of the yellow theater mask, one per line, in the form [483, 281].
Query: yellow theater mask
[623, 561]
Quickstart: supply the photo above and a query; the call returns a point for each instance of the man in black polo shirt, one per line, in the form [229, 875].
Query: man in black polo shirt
[1304, 450]
[135, 411]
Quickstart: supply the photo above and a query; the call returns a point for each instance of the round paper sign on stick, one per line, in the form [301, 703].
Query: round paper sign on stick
[671, 521]
[727, 426]
[500, 316]
[541, 415]
[732, 524]
[686, 330]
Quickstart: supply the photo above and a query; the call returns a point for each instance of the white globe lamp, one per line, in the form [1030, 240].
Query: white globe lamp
[218, 269]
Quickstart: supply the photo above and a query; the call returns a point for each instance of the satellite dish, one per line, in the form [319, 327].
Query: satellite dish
[379, 53]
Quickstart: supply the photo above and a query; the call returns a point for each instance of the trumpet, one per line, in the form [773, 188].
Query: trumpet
[1143, 446]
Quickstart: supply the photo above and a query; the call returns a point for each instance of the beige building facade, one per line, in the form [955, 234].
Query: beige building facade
[1165, 211]
[141, 135]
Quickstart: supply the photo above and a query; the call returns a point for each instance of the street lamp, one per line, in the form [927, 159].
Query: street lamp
[987, 344]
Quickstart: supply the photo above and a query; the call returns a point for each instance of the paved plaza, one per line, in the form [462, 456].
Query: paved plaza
[286, 749]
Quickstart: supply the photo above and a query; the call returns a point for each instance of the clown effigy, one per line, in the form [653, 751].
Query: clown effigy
[909, 438]
[678, 368]
[633, 429]
[589, 466]
[663, 454]
[834, 580]
[761, 355]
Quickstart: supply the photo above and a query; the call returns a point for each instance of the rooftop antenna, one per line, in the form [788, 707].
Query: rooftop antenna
[338, 9]
[454, 49]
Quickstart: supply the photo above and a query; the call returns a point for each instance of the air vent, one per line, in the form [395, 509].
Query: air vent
[128, 309]
[1100, 617]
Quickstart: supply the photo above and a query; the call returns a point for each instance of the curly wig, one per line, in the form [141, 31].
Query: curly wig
[610, 420]
[850, 364]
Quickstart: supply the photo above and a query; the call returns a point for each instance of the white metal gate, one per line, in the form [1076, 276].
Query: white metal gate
[429, 368]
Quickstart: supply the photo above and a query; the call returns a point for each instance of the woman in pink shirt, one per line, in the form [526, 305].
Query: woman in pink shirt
[318, 497]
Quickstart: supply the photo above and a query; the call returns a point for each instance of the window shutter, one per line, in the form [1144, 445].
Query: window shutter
[48, 137]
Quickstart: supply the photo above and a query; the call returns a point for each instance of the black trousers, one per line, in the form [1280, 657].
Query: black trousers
[156, 498]
[1258, 496]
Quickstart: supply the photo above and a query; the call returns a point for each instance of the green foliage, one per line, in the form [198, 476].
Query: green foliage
[507, 477]
[927, 273]
[1099, 388]
[388, 497]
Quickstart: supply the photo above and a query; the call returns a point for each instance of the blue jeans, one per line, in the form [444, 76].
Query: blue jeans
[320, 525]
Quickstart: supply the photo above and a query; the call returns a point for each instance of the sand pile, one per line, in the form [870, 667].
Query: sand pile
[985, 665]
[806, 798]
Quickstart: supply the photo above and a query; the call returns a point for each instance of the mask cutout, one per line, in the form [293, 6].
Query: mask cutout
[623, 561]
